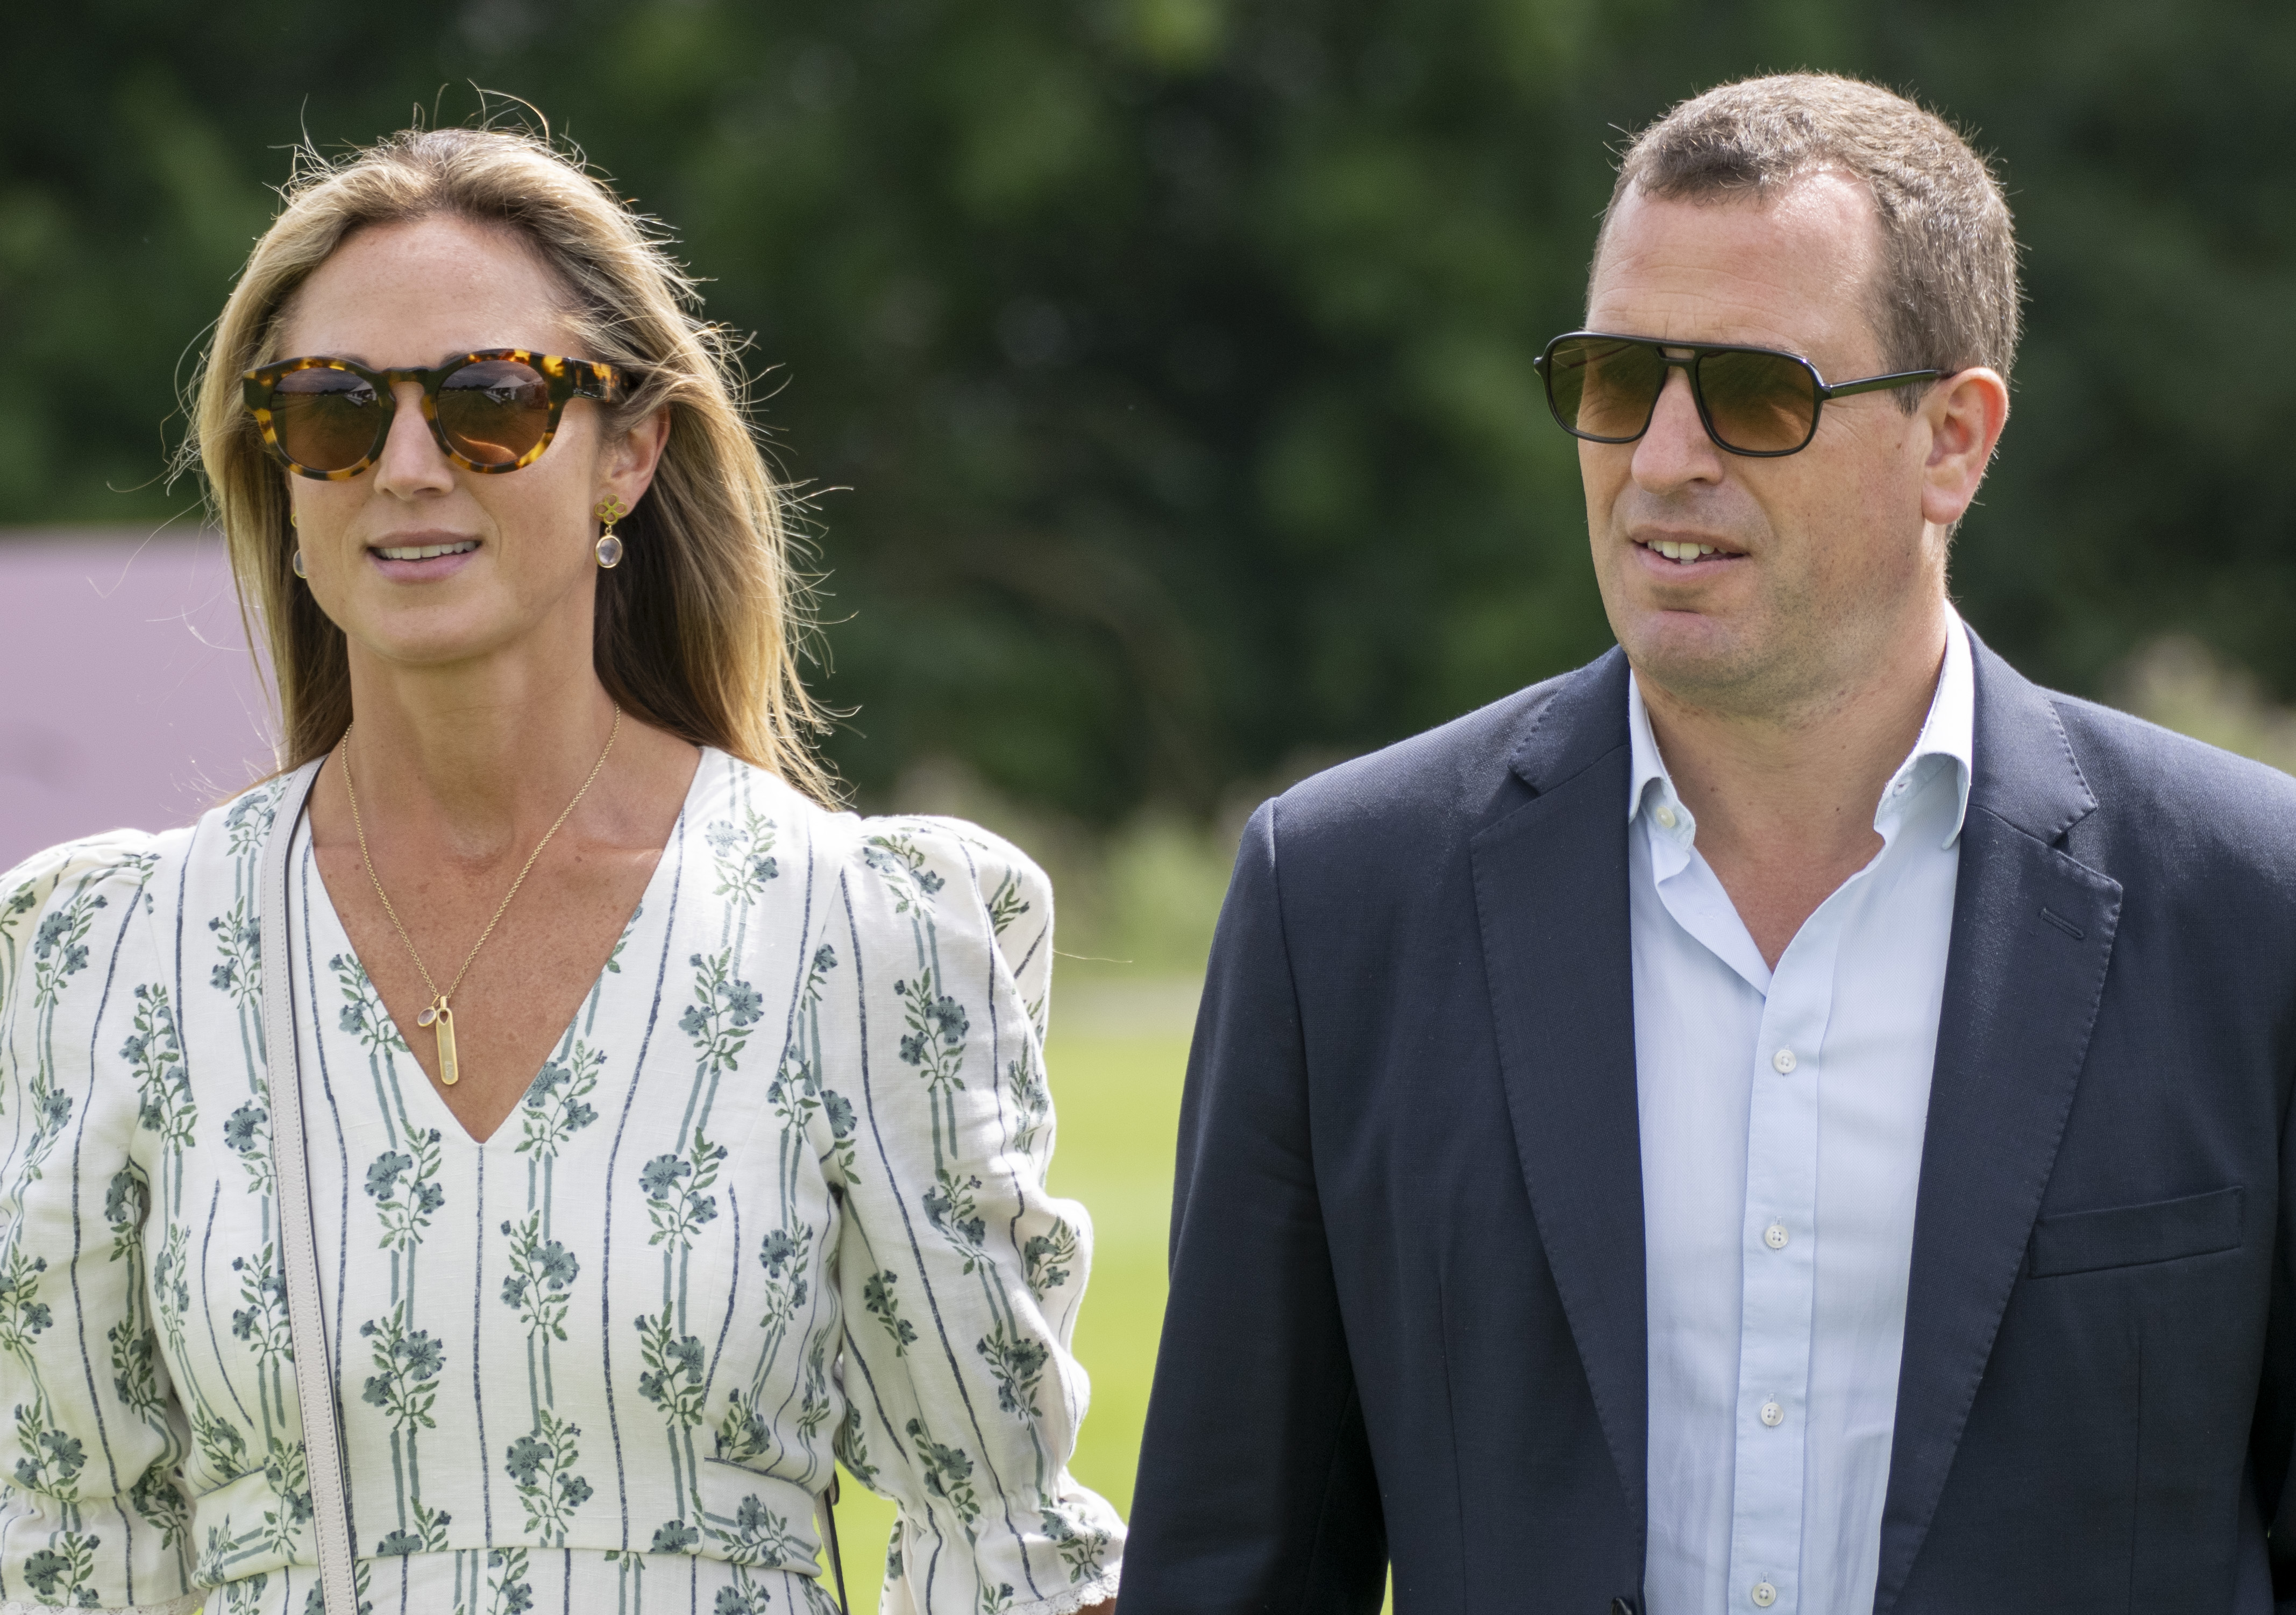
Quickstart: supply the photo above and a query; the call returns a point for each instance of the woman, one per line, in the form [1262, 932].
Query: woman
[668, 1129]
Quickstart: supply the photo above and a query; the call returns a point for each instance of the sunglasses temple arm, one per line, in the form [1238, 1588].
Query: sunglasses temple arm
[1876, 384]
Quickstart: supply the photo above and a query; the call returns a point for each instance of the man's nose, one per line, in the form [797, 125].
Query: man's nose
[1676, 449]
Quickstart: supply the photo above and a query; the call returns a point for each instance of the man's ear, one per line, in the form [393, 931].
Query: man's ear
[1966, 413]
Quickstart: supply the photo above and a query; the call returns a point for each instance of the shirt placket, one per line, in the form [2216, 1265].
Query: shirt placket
[1780, 1271]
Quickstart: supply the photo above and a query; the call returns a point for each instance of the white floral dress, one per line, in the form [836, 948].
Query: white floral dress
[779, 1191]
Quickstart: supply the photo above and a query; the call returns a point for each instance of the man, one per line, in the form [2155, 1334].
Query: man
[1789, 1118]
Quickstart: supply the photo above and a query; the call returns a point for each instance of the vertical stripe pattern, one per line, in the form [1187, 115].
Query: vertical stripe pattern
[776, 1197]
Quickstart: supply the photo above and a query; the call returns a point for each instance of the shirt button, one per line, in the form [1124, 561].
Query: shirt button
[1773, 1414]
[1665, 816]
[1764, 1594]
[1784, 1060]
[1775, 1236]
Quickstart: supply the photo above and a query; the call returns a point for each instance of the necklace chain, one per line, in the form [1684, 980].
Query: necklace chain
[440, 1001]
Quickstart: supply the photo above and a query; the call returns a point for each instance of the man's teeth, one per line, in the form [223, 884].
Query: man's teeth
[425, 552]
[1683, 553]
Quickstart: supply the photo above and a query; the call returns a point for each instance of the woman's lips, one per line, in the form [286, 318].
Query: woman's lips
[423, 558]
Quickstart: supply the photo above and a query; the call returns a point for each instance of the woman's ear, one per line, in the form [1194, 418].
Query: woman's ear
[631, 460]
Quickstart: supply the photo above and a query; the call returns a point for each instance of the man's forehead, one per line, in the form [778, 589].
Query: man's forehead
[1791, 270]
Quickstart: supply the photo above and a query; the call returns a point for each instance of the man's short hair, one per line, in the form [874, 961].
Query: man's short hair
[1946, 297]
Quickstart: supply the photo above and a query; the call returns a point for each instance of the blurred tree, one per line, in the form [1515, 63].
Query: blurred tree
[1160, 369]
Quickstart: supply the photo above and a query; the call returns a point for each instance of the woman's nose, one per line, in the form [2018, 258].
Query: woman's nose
[411, 461]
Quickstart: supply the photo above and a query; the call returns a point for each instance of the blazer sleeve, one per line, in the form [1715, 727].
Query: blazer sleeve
[90, 1512]
[1256, 1489]
[958, 1274]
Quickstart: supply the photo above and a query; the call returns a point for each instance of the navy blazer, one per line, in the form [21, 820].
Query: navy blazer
[1406, 1314]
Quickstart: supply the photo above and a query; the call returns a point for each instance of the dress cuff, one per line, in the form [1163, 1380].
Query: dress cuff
[1068, 1603]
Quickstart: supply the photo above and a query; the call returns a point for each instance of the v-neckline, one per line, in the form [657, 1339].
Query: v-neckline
[444, 1114]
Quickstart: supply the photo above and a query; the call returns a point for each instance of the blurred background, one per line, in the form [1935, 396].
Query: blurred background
[1157, 376]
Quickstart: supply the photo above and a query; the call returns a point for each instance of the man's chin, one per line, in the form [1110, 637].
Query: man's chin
[1685, 650]
[1719, 672]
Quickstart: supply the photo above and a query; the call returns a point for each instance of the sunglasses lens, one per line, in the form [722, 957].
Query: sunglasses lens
[496, 411]
[326, 420]
[1764, 402]
[1603, 388]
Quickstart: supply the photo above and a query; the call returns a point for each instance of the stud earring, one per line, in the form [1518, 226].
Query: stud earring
[298, 565]
[610, 510]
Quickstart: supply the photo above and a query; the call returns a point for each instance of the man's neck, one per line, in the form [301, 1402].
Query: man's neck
[1784, 800]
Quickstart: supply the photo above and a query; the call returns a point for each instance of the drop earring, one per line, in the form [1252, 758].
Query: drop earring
[610, 510]
[296, 562]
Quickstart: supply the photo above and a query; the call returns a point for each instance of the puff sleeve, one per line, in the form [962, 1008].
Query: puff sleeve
[958, 1274]
[90, 1512]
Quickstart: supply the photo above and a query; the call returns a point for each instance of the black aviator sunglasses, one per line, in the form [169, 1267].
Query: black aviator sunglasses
[1754, 401]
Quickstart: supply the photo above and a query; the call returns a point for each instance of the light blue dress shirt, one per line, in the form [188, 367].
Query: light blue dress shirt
[1782, 1115]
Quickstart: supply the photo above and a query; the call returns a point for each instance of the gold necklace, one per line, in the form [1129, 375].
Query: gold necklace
[437, 1013]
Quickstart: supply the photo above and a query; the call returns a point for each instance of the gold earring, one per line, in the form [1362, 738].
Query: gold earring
[610, 510]
[296, 562]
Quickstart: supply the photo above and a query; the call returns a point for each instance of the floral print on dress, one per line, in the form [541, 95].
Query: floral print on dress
[775, 1198]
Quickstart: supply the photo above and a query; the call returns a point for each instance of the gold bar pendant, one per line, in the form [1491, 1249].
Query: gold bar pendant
[448, 1070]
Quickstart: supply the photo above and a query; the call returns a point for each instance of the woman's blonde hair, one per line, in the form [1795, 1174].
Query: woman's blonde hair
[698, 630]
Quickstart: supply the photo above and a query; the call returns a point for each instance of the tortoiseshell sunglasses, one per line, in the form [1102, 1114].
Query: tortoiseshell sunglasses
[491, 411]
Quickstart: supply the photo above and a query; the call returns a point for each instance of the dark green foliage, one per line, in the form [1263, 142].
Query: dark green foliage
[1162, 367]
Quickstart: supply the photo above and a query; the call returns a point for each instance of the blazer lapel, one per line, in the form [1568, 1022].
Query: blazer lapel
[2032, 936]
[1551, 894]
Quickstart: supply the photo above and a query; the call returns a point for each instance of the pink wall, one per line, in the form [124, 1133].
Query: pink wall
[126, 697]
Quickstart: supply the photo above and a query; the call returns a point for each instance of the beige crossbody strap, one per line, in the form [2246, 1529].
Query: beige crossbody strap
[307, 1325]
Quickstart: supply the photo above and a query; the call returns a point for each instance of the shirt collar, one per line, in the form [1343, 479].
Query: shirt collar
[1948, 735]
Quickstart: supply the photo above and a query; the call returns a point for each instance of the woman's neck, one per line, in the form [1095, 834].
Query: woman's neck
[474, 758]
